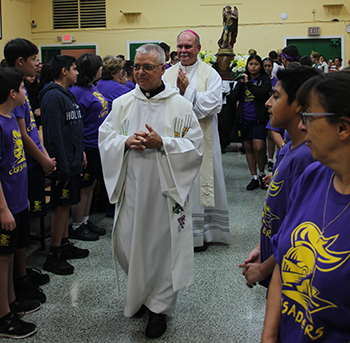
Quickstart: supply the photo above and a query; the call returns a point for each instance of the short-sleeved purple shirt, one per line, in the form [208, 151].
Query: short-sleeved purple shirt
[25, 112]
[315, 266]
[111, 90]
[94, 110]
[248, 108]
[290, 164]
[13, 165]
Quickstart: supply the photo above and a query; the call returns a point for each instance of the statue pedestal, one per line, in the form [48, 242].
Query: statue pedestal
[223, 60]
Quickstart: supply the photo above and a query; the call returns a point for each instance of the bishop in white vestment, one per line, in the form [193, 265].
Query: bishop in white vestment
[201, 85]
[150, 184]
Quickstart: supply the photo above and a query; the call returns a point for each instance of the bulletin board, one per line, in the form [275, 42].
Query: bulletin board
[133, 45]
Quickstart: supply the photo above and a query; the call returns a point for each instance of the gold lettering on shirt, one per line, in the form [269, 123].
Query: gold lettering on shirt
[18, 152]
[32, 124]
[104, 104]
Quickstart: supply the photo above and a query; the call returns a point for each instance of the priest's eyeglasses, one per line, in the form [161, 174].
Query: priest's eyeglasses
[305, 116]
[146, 67]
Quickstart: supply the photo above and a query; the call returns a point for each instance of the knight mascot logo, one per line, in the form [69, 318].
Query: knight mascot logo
[309, 255]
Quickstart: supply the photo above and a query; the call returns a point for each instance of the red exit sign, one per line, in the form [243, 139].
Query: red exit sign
[313, 31]
[66, 38]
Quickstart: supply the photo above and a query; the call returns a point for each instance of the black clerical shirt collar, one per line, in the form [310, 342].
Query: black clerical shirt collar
[152, 93]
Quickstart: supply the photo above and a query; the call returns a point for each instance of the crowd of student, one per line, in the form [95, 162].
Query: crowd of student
[247, 104]
[63, 86]
[308, 194]
[307, 113]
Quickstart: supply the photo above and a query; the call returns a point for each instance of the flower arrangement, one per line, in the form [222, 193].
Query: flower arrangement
[208, 58]
[237, 66]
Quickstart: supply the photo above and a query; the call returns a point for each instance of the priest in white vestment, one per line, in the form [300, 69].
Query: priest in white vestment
[151, 147]
[201, 85]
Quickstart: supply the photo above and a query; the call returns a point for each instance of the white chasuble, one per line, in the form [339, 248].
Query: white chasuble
[208, 195]
[152, 233]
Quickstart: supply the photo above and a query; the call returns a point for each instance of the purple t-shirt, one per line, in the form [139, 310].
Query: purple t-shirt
[289, 165]
[279, 130]
[273, 82]
[248, 107]
[130, 85]
[315, 267]
[13, 165]
[94, 110]
[25, 111]
[111, 90]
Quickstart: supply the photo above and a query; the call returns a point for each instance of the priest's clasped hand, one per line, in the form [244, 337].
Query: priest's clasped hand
[182, 81]
[142, 140]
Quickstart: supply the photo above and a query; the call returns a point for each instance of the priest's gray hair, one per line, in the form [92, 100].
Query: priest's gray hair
[148, 48]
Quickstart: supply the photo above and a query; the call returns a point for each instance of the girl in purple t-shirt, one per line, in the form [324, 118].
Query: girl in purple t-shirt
[308, 298]
[252, 91]
[94, 110]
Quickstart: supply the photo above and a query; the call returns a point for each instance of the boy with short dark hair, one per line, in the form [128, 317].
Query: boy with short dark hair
[21, 54]
[13, 205]
[63, 136]
[292, 160]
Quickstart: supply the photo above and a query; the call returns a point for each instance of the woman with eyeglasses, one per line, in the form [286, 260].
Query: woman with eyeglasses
[113, 80]
[308, 298]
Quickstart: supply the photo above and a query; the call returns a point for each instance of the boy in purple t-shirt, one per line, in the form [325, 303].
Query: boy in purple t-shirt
[13, 206]
[292, 160]
[21, 54]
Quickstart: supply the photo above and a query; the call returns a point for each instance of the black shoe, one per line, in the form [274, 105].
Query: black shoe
[37, 277]
[204, 247]
[156, 325]
[13, 327]
[253, 184]
[25, 289]
[140, 312]
[82, 233]
[69, 251]
[22, 307]
[270, 166]
[94, 228]
[110, 210]
[57, 264]
[262, 183]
